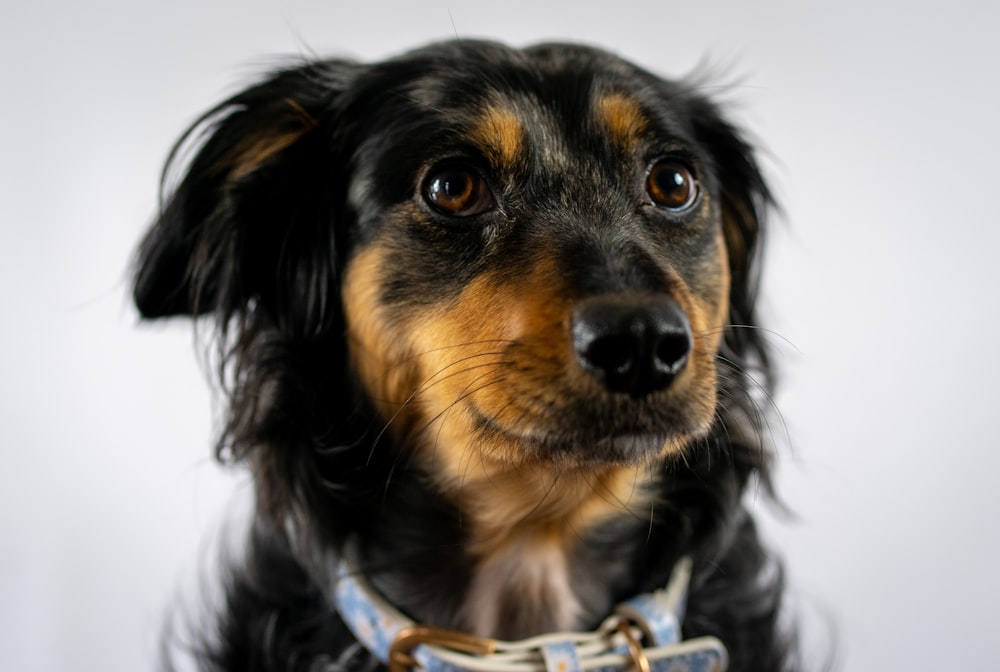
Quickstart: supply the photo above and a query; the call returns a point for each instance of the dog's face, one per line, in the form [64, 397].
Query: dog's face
[540, 273]
[534, 254]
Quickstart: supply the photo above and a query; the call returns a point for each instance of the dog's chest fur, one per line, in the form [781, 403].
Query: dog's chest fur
[523, 588]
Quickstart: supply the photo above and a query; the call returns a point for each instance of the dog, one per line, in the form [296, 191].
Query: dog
[486, 328]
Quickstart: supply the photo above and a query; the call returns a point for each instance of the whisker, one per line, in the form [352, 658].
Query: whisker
[417, 101]
[764, 391]
[464, 344]
[434, 420]
[752, 413]
[431, 380]
[461, 397]
[541, 500]
[770, 332]
[652, 517]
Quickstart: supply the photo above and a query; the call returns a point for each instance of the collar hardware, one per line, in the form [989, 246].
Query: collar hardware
[639, 659]
[409, 638]
[642, 635]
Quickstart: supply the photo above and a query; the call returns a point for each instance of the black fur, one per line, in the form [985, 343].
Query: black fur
[291, 177]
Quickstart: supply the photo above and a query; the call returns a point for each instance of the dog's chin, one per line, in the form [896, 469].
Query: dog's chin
[617, 450]
[572, 449]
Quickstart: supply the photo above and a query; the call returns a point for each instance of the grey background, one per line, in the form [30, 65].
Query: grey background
[880, 127]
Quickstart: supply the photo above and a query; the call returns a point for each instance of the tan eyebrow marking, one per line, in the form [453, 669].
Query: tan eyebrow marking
[623, 116]
[501, 135]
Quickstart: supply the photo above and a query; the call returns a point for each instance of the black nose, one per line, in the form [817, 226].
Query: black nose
[632, 345]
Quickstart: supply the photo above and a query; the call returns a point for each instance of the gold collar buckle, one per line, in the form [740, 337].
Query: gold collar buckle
[639, 660]
[407, 639]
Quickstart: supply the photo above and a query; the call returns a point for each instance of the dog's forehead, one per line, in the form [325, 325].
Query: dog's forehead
[506, 99]
[506, 126]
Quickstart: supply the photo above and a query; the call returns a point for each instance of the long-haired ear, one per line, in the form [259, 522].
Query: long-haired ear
[246, 199]
[746, 199]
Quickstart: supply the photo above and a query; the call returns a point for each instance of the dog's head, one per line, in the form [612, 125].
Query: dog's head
[479, 256]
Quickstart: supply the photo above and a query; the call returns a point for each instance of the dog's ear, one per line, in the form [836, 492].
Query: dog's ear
[746, 199]
[248, 202]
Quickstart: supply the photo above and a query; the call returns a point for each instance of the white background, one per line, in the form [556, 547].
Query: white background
[880, 123]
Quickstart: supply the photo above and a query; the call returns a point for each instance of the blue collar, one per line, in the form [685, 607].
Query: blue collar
[653, 618]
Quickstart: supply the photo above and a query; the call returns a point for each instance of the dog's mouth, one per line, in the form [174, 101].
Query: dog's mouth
[625, 444]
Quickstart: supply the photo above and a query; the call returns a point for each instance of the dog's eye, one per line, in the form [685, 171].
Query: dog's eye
[671, 184]
[458, 191]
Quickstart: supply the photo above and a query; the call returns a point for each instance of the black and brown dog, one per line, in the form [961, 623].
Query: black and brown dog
[488, 313]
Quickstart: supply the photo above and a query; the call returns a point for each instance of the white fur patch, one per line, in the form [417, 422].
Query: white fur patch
[523, 589]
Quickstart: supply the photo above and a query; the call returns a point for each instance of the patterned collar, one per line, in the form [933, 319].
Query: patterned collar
[653, 618]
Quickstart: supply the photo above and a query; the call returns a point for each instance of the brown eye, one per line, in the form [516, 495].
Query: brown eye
[671, 184]
[458, 191]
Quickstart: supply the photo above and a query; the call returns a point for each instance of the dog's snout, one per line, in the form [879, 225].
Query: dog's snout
[633, 346]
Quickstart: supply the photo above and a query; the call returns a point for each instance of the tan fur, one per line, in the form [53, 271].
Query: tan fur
[719, 320]
[623, 118]
[500, 133]
[258, 149]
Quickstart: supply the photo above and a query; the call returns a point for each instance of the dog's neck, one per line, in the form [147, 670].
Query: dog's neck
[524, 530]
[522, 588]
[527, 523]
